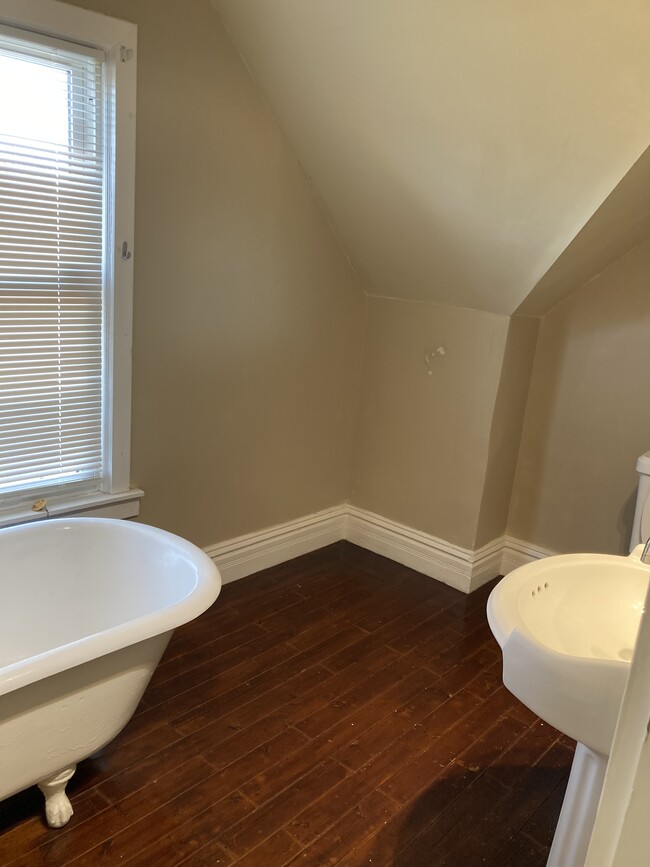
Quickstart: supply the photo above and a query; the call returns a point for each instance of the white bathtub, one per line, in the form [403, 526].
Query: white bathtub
[87, 607]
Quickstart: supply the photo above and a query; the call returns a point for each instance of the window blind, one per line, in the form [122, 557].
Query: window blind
[51, 264]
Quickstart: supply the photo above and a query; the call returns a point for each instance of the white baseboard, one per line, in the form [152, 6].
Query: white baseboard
[253, 552]
[458, 567]
[517, 553]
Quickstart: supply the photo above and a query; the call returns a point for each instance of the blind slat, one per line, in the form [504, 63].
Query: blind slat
[47, 413]
[51, 264]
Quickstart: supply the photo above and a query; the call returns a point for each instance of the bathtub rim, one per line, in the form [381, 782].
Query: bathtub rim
[205, 591]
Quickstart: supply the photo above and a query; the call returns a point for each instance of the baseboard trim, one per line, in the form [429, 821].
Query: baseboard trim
[517, 553]
[458, 567]
[253, 552]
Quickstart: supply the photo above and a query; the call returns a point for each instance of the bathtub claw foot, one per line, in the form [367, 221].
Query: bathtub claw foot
[58, 808]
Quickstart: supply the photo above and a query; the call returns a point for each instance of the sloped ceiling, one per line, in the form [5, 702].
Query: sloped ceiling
[458, 146]
[621, 222]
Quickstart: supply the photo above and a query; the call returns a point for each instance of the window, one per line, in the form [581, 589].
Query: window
[67, 80]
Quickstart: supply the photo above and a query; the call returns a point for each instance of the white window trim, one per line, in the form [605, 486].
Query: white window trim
[93, 505]
[118, 39]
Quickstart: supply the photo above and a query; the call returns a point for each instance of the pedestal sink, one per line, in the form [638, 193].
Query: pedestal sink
[567, 626]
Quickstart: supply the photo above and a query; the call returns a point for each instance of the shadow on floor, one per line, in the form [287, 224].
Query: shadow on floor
[506, 817]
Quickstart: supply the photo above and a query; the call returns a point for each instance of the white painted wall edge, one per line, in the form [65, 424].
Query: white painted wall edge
[458, 567]
[620, 835]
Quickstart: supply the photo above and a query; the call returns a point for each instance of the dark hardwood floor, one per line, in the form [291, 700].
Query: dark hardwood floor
[338, 709]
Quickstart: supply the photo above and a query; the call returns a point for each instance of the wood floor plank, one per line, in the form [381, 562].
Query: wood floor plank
[268, 654]
[497, 825]
[204, 629]
[275, 851]
[386, 731]
[311, 611]
[484, 684]
[418, 625]
[123, 753]
[31, 833]
[325, 745]
[454, 822]
[540, 737]
[474, 665]
[350, 700]
[82, 838]
[222, 751]
[244, 835]
[440, 806]
[136, 776]
[322, 814]
[336, 709]
[147, 843]
[542, 823]
[417, 775]
[326, 692]
[522, 850]
[353, 827]
[213, 649]
[225, 713]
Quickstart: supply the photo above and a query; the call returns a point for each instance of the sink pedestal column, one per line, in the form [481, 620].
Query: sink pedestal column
[576, 821]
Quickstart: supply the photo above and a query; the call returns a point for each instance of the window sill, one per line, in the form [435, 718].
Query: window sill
[95, 505]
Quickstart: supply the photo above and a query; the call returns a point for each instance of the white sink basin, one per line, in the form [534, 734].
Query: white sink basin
[567, 626]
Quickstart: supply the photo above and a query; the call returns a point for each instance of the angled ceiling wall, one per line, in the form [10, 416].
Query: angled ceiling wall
[621, 222]
[458, 147]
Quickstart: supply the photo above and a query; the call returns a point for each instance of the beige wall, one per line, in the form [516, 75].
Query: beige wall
[249, 334]
[422, 440]
[588, 414]
[507, 423]
[248, 318]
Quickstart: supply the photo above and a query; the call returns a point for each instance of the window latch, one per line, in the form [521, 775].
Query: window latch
[126, 253]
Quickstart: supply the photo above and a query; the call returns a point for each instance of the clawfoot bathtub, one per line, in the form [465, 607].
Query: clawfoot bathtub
[87, 608]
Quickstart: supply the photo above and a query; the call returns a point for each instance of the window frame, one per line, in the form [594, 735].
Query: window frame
[118, 40]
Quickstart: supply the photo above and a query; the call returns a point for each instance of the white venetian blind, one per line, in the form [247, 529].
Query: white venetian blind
[51, 264]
